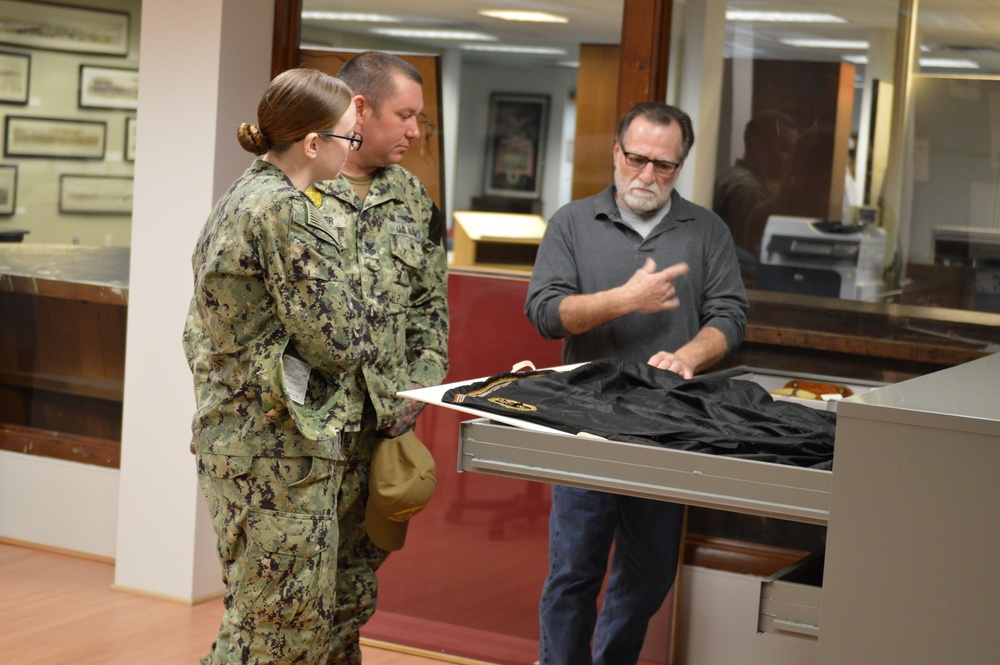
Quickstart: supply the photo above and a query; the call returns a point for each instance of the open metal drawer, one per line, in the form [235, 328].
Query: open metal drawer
[698, 479]
[790, 599]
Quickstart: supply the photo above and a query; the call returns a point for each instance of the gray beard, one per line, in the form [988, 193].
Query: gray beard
[644, 204]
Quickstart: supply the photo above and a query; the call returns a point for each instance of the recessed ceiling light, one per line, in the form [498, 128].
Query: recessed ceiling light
[500, 48]
[463, 35]
[782, 17]
[826, 43]
[527, 16]
[856, 59]
[351, 16]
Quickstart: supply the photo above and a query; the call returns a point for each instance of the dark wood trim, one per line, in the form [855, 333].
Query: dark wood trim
[645, 52]
[909, 351]
[60, 445]
[737, 556]
[287, 32]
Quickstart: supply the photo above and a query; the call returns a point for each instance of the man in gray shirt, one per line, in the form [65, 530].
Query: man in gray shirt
[635, 272]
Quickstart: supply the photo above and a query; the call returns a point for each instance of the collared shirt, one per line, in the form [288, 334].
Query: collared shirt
[587, 248]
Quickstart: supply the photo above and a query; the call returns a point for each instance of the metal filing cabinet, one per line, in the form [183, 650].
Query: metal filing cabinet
[912, 571]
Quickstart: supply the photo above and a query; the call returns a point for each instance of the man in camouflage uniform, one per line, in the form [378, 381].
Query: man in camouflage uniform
[268, 429]
[394, 255]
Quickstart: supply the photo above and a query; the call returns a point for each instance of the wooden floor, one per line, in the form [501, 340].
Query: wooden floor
[57, 609]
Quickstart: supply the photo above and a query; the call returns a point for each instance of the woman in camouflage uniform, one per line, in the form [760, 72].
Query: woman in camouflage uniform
[270, 332]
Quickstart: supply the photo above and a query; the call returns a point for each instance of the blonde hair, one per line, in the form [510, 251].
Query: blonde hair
[296, 102]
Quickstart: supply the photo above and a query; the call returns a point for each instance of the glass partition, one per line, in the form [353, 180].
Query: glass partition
[867, 145]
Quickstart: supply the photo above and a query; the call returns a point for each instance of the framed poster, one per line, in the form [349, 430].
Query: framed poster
[95, 194]
[15, 77]
[516, 145]
[8, 189]
[129, 139]
[108, 88]
[27, 136]
[62, 28]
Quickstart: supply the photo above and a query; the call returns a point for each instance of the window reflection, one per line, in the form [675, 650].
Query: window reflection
[942, 246]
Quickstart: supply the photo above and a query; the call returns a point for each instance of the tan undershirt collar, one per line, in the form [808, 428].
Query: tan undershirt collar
[361, 185]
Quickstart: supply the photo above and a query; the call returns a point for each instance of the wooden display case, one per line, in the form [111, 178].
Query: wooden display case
[496, 240]
[62, 350]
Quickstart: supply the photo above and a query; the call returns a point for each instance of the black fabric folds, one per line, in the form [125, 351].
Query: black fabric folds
[631, 401]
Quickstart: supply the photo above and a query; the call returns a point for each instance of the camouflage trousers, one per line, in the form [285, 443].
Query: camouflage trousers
[290, 596]
[275, 519]
[357, 557]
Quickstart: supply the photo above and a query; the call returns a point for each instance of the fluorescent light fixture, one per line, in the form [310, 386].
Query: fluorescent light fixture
[930, 63]
[500, 48]
[412, 33]
[826, 43]
[948, 63]
[351, 16]
[526, 16]
[782, 17]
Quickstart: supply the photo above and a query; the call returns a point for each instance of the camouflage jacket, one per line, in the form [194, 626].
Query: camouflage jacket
[400, 278]
[269, 284]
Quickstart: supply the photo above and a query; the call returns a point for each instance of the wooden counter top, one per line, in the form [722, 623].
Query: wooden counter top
[75, 272]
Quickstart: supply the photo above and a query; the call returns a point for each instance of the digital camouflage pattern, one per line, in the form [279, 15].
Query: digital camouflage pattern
[269, 281]
[359, 294]
[277, 544]
[400, 277]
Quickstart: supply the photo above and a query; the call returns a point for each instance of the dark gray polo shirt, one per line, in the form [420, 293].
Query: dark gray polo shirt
[587, 248]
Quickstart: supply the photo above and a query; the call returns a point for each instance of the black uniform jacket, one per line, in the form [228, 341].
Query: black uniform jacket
[631, 401]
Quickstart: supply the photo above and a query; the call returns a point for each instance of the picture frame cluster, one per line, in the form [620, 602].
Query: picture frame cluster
[103, 90]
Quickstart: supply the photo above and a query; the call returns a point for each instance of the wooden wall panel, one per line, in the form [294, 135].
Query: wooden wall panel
[596, 117]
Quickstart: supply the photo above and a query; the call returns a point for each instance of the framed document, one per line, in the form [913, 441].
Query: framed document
[516, 145]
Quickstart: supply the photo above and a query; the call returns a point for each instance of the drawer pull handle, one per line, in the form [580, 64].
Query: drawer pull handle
[796, 627]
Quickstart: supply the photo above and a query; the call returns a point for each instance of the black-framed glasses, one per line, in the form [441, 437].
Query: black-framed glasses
[354, 139]
[638, 162]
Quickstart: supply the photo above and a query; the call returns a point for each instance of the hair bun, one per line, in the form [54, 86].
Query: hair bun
[252, 139]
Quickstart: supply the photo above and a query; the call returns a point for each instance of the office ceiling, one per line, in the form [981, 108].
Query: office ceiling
[968, 29]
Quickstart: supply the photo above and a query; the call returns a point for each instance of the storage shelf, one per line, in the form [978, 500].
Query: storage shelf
[81, 386]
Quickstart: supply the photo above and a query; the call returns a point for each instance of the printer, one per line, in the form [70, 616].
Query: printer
[810, 256]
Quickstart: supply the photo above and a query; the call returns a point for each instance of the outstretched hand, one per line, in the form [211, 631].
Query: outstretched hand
[649, 290]
[673, 363]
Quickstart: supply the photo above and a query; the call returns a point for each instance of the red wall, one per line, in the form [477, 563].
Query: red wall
[468, 580]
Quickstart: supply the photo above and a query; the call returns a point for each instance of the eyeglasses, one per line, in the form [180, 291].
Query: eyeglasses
[638, 162]
[355, 139]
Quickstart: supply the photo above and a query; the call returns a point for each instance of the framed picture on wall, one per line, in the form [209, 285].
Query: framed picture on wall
[130, 139]
[15, 77]
[108, 88]
[28, 136]
[515, 150]
[61, 28]
[8, 188]
[95, 195]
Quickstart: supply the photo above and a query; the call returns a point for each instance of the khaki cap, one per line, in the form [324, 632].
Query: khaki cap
[401, 483]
